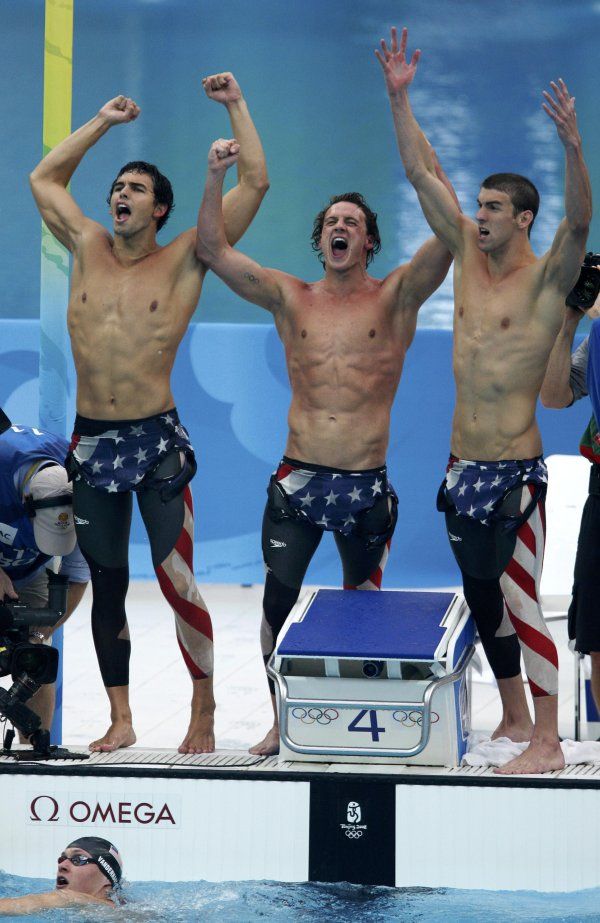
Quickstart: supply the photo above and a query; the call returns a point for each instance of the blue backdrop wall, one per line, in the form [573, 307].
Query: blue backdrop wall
[232, 392]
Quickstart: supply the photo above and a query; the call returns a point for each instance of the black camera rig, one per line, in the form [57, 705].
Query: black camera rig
[31, 666]
[585, 291]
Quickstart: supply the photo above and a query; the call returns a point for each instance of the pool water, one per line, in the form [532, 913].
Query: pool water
[246, 902]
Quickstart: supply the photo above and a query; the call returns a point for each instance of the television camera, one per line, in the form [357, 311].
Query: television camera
[31, 666]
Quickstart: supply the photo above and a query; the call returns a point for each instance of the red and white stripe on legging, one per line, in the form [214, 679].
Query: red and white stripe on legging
[373, 581]
[177, 582]
[520, 584]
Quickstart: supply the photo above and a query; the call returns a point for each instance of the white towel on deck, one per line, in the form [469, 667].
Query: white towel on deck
[482, 751]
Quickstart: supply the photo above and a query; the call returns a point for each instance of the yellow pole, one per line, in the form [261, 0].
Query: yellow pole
[54, 270]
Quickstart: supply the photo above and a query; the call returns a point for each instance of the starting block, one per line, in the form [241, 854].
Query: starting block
[375, 676]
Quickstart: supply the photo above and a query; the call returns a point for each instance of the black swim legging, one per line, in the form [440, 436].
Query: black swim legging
[103, 522]
[288, 546]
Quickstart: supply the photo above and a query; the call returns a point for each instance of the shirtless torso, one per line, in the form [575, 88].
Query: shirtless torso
[504, 329]
[126, 319]
[344, 353]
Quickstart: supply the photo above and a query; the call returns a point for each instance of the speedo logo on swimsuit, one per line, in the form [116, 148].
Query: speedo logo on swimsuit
[454, 538]
[81, 522]
[276, 544]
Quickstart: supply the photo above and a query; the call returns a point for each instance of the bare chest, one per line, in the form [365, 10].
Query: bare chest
[321, 328]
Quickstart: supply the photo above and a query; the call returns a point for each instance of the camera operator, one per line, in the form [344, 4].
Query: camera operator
[89, 872]
[570, 377]
[33, 530]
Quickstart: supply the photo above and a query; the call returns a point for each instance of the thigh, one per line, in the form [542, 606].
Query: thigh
[288, 542]
[363, 550]
[164, 520]
[33, 592]
[481, 551]
[102, 523]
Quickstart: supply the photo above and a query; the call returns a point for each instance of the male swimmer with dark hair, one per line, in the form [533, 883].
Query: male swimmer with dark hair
[345, 340]
[89, 871]
[509, 307]
[130, 304]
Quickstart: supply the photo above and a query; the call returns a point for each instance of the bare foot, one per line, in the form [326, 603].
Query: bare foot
[200, 737]
[269, 745]
[120, 734]
[519, 733]
[540, 756]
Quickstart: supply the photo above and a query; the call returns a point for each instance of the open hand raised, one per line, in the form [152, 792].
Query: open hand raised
[561, 109]
[397, 71]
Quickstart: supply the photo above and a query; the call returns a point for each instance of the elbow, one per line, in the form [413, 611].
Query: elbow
[415, 173]
[553, 401]
[258, 182]
[206, 252]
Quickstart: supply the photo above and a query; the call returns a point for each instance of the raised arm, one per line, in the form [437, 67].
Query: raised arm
[439, 206]
[429, 266]
[51, 177]
[568, 247]
[243, 275]
[242, 202]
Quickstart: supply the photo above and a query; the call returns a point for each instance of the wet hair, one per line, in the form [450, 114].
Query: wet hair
[355, 198]
[520, 190]
[163, 191]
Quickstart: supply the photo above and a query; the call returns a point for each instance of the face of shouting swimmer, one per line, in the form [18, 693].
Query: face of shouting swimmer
[86, 879]
[344, 240]
[132, 204]
[498, 220]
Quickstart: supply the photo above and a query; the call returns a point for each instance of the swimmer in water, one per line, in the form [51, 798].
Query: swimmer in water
[89, 872]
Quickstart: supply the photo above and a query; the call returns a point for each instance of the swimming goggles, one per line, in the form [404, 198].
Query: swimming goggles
[76, 859]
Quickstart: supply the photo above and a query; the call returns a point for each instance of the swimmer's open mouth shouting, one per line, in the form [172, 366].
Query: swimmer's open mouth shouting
[122, 212]
[338, 245]
[61, 881]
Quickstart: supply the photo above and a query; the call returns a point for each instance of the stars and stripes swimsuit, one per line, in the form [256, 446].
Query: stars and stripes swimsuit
[108, 461]
[495, 519]
[306, 500]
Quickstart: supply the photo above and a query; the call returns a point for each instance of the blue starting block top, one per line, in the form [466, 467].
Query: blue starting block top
[369, 624]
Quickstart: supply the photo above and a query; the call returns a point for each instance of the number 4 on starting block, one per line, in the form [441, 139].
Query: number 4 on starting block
[373, 729]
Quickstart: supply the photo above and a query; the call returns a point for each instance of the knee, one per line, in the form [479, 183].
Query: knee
[112, 581]
[181, 579]
[278, 602]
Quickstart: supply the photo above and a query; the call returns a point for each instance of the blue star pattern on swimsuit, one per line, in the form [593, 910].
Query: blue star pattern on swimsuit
[477, 488]
[328, 498]
[118, 459]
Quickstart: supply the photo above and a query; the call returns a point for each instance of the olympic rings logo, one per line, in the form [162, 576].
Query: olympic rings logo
[314, 714]
[413, 718]
[353, 834]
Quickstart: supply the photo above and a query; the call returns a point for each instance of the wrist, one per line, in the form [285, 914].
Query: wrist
[237, 103]
[398, 95]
